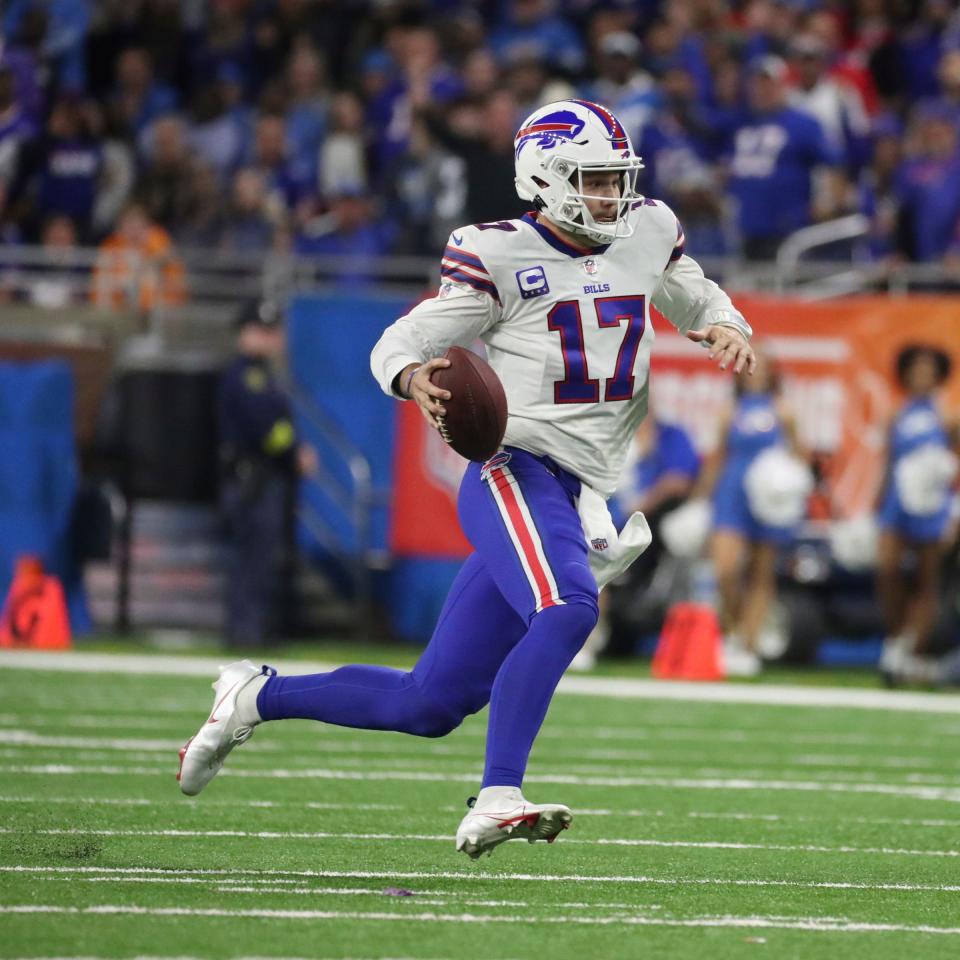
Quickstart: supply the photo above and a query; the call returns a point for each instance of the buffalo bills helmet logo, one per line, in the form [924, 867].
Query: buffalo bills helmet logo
[549, 130]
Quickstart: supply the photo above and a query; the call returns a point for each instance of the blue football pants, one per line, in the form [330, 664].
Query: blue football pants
[519, 609]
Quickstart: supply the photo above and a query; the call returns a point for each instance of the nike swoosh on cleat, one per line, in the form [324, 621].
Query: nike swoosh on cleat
[224, 697]
[457, 240]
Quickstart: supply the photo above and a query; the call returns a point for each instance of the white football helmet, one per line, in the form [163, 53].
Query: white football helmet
[553, 148]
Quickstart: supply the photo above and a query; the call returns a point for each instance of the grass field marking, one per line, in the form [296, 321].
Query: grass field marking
[451, 808]
[649, 727]
[946, 794]
[812, 924]
[372, 766]
[444, 838]
[14, 737]
[258, 804]
[632, 689]
[491, 877]
[275, 885]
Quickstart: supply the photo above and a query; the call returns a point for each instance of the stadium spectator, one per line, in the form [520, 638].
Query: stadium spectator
[878, 196]
[58, 172]
[118, 173]
[775, 154]
[138, 98]
[661, 476]
[429, 193]
[270, 156]
[676, 148]
[201, 225]
[15, 130]
[921, 43]
[928, 184]
[137, 267]
[948, 74]
[65, 28]
[343, 162]
[308, 105]
[20, 61]
[621, 83]
[57, 278]
[349, 229]
[253, 215]
[835, 104]
[164, 181]
[419, 79]
[481, 135]
[743, 547]
[534, 27]
[217, 133]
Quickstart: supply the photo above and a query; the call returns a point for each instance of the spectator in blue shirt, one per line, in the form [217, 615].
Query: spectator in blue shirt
[676, 150]
[270, 155]
[534, 28]
[137, 98]
[929, 185]
[775, 153]
[663, 475]
[58, 173]
[67, 22]
[306, 114]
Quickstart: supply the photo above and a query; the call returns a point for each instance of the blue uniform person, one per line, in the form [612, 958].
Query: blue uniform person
[743, 546]
[560, 298]
[259, 458]
[914, 510]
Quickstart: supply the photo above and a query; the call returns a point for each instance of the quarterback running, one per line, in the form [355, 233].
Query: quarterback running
[561, 300]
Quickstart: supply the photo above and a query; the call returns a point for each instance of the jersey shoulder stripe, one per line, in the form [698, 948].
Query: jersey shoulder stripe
[461, 275]
[465, 258]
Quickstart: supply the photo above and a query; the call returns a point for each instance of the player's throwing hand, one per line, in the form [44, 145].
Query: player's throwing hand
[727, 345]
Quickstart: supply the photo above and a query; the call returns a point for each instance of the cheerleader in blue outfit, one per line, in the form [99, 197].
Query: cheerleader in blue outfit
[743, 548]
[914, 511]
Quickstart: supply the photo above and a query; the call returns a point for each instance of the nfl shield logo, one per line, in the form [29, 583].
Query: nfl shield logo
[599, 543]
[590, 266]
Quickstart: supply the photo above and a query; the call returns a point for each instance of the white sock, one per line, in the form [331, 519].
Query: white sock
[498, 796]
[247, 702]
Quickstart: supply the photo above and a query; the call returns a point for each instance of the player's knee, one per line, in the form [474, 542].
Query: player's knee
[432, 719]
[577, 616]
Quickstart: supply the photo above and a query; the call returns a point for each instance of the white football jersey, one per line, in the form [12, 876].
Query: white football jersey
[567, 329]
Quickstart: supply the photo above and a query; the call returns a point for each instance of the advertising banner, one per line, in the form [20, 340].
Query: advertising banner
[837, 360]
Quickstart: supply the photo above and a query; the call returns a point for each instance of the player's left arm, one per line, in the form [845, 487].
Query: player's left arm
[698, 308]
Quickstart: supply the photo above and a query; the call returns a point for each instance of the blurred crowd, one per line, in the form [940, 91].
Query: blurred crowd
[361, 127]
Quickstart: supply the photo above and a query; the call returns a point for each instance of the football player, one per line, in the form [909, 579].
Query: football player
[561, 299]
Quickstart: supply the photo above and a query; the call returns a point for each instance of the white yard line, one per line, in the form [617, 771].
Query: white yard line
[580, 811]
[15, 737]
[941, 793]
[812, 924]
[482, 877]
[259, 804]
[444, 838]
[647, 729]
[760, 694]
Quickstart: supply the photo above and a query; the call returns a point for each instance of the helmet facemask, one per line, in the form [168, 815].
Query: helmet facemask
[572, 212]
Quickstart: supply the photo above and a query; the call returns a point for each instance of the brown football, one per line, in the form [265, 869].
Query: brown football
[477, 411]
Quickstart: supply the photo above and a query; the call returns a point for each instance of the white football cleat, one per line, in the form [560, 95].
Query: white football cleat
[202, 756]
[505, 815]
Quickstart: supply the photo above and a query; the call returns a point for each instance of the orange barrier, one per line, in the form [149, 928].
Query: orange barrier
[689, 647]
[35, 612]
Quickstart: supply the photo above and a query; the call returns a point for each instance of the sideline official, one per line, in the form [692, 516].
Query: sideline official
[260, 458]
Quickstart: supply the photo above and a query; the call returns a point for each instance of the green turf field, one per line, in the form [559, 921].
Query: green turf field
[701, 830]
